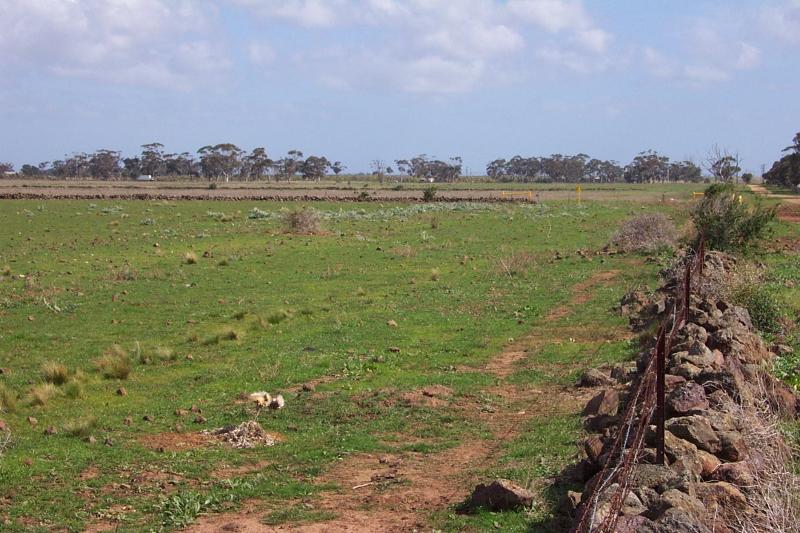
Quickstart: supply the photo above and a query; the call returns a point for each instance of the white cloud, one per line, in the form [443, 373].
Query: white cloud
[781, 20]
[155, 42]
[443, 45]
[261, 53]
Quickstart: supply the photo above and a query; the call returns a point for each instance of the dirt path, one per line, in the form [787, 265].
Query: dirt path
[396, 492]
[789, 210]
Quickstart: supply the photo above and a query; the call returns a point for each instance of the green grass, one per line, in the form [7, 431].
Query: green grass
[316, 307]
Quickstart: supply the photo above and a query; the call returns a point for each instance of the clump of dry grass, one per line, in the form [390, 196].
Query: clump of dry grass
[304, 221]
[6, 270]
[404, 250]
[435, 274]
[114, 364]
[126, 273]
[190, 258]
[774, 498]
[645, 233]
[74, 389]
[517, 264]
[228, 334]
[8, 400]
[80, 427]
[55, 373]
[42, 393]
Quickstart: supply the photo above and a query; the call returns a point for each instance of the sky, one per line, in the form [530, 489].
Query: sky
[360, 80]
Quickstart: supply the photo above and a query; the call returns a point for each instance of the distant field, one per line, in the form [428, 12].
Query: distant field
[437, 343]
[334, 190]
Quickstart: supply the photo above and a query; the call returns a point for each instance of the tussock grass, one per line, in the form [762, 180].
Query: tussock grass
[277, 317]
[55, 373]
[42, 393]
[305, 221]
[80, 427]
[404, 250]
[228, 334]
[435, 274]
[516, 264]
[190, 258]
[74, 389]
[239, 315]
[6, 270]
[8, 399]
[114, 364]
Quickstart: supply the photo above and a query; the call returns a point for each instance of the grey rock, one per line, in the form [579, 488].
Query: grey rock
[697, 430]
[499, 495]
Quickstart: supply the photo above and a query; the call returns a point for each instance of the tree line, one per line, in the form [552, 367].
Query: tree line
[647, 167]
[786, 171]
[228, 162]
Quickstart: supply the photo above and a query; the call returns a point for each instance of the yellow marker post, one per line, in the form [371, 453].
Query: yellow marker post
[741, 200]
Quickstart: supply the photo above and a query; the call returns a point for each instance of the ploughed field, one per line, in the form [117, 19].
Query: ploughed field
[419, 348]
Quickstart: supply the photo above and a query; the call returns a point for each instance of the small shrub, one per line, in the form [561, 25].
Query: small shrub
[190, 258]
[55, 373]
[435, 274]
[223, 262]
[729, 224]
[363, 196]
[304, 221]
[114, 364]
[8, 400]
[43, 393]
[230, 334]
[762, 305]
[126, 273]
[429, 194]
[645, 233]
[516, 264]
[434, 222]
[212, 186]
[80, 427]
[6, 270]
[239, 315]
[404, 250]
[180, 510]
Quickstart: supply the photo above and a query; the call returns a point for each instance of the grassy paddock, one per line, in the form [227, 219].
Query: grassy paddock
[194, 303]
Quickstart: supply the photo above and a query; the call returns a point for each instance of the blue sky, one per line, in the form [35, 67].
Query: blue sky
[357, 80]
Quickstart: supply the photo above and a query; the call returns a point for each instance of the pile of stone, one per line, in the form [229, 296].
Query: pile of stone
[717, 375]
[248, 434]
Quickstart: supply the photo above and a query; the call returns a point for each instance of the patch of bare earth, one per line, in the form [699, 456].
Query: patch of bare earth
[397, 492]
[176, 442]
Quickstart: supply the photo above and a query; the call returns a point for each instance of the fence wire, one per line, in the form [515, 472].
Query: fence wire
[645, 402]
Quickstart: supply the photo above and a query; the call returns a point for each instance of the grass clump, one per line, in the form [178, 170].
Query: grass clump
[55, 373]
[8, 400]
[646, 233]
[42, 393]
[729, 223]
[74, 389]
[277, 317]
[429, 194]
[304, 221]
[190, 258]
[765, 311]
[80, 427]
[435, 274]
[6, 270]
[114, 364]
[228, 334]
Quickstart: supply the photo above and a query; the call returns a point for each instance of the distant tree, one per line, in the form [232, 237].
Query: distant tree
[220, 161]
[75, 166]
[747, 177]
[685, 171]
[647, 167]
[723, 165]
[378, 168]
[314, 168]
[132, 166]
[786, 171]
[30, 171]
[105, 164]
[6, 168]
[337, 167]
[152, 159]
[258, 164]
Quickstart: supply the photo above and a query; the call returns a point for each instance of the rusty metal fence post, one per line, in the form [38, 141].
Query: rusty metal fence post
[660, 403]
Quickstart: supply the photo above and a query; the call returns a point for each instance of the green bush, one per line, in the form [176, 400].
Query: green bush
[429, 194]
[762, 305]
[728, 222]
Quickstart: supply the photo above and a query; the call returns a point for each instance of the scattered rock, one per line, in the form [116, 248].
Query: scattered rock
[246, 435]
[3, 426]
[391, 324]
[394, 349]
[675, 520]
[127, 421]
[697, 430]
[687, 398]
[739, 474]
[308, 387]
[277, 402]
[709, 462]
[32, 421]
[595, 378]
[732, 446]
[108, 442]
[148, 418]
[90, 439]
[604, 403]
[122, 391]
[181, 412]
[675, 499]
[500, 495]
[50, 430]
[200, 419]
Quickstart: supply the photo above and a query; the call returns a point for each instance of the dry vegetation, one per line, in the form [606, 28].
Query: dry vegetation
[645, 233]
[303, 221]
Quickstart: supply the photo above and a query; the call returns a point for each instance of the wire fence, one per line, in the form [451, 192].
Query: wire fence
[645, 403]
